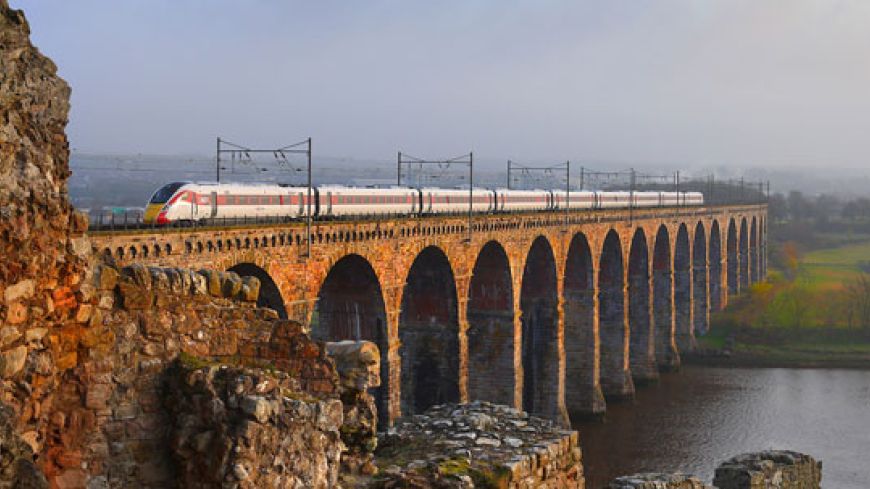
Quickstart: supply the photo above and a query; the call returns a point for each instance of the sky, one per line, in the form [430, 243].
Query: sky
[769, 83]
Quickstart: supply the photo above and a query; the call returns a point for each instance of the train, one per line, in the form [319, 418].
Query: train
[188, 202]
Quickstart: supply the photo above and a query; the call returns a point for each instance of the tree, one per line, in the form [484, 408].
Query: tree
[825, 207]
[851, 211]
[858, 296]
[798, 207]
[777, 208]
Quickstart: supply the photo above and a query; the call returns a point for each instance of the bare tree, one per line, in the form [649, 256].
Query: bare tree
[858, 297]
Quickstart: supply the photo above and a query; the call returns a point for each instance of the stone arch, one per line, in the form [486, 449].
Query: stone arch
[491, 373]
[642, 358]
[683, 290]
[753, 251]
[350, 306]
[583, 394]
[715, 264]
[667, 356]
[270, 294]
[700, 297]
[744, 255]
[733, 268]
[616, 379]
[540, 331]
[429, 334]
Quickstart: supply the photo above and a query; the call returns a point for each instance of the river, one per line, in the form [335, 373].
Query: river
[692, 420]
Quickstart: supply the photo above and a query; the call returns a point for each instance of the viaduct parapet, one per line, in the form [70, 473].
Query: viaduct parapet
[550, 313]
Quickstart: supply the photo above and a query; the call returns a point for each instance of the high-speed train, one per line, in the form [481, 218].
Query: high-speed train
[187, 202]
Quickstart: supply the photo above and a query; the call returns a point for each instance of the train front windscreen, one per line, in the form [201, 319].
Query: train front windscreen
[160, 197]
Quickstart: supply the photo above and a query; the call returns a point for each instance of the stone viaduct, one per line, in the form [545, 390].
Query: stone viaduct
[552, 313]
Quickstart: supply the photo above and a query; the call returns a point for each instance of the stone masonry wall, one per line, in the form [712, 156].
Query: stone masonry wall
[657, 481]
[39, 269]
[249, 428]
[775, 469]
[112, 424]
[479, 445]
[769, 470]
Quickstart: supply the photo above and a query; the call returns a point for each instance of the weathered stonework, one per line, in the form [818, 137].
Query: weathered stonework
[40, 270]
[479, 445]
[776, 469]
[358, 366]
[247, 428]
[111, 423]
[657, 481]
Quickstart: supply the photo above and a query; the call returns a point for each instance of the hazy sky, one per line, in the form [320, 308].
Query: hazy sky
[755, 82]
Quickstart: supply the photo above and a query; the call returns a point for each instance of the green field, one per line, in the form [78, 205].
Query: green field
[830, 269]
[803, 317]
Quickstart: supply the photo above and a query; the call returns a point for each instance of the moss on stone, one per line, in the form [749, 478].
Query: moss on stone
[193, 362]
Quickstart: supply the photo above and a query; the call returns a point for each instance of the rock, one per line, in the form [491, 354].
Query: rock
[80, 247]
[35, 334]
[231, 284]
[22, 290]
[513, 442]
[136, 297]
[138, 274]
[8, 335]
[107, 277]
[250, 289]
[106, 302]
[358, 363]
[490, 442]
[240, 472]
[12, 361]
[176, 284]
[159, 280]
[198, 283]
[84, 313]
[32, 440]
[213, 282]
[16, 313]
[257, 407]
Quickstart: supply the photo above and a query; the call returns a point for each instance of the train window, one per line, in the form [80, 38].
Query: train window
[165, 192]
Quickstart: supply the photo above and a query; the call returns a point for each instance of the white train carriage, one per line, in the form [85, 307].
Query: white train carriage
[612, 200]
[340, 201]
[523, 200]
[647, 199]
[188, 202]
[693, 198]
[448, 201]
[577, 200]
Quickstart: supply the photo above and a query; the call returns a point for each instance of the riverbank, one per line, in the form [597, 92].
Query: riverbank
[778, 358]
[746, 346]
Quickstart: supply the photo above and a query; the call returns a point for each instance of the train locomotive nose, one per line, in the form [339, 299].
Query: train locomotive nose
[152, 213]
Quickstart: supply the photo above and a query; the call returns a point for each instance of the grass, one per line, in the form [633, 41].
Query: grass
[803, 320]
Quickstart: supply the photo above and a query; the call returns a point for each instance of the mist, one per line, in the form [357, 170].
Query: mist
[718, 84]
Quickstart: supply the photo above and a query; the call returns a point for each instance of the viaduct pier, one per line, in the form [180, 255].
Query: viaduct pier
[552, 313]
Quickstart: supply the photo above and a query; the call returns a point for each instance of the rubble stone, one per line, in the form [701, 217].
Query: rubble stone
[479, 445]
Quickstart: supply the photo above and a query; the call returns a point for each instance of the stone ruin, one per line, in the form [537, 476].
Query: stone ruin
[479, 445]
[774, 469]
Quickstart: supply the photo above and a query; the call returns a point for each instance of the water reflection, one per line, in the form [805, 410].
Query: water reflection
[694, 419]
